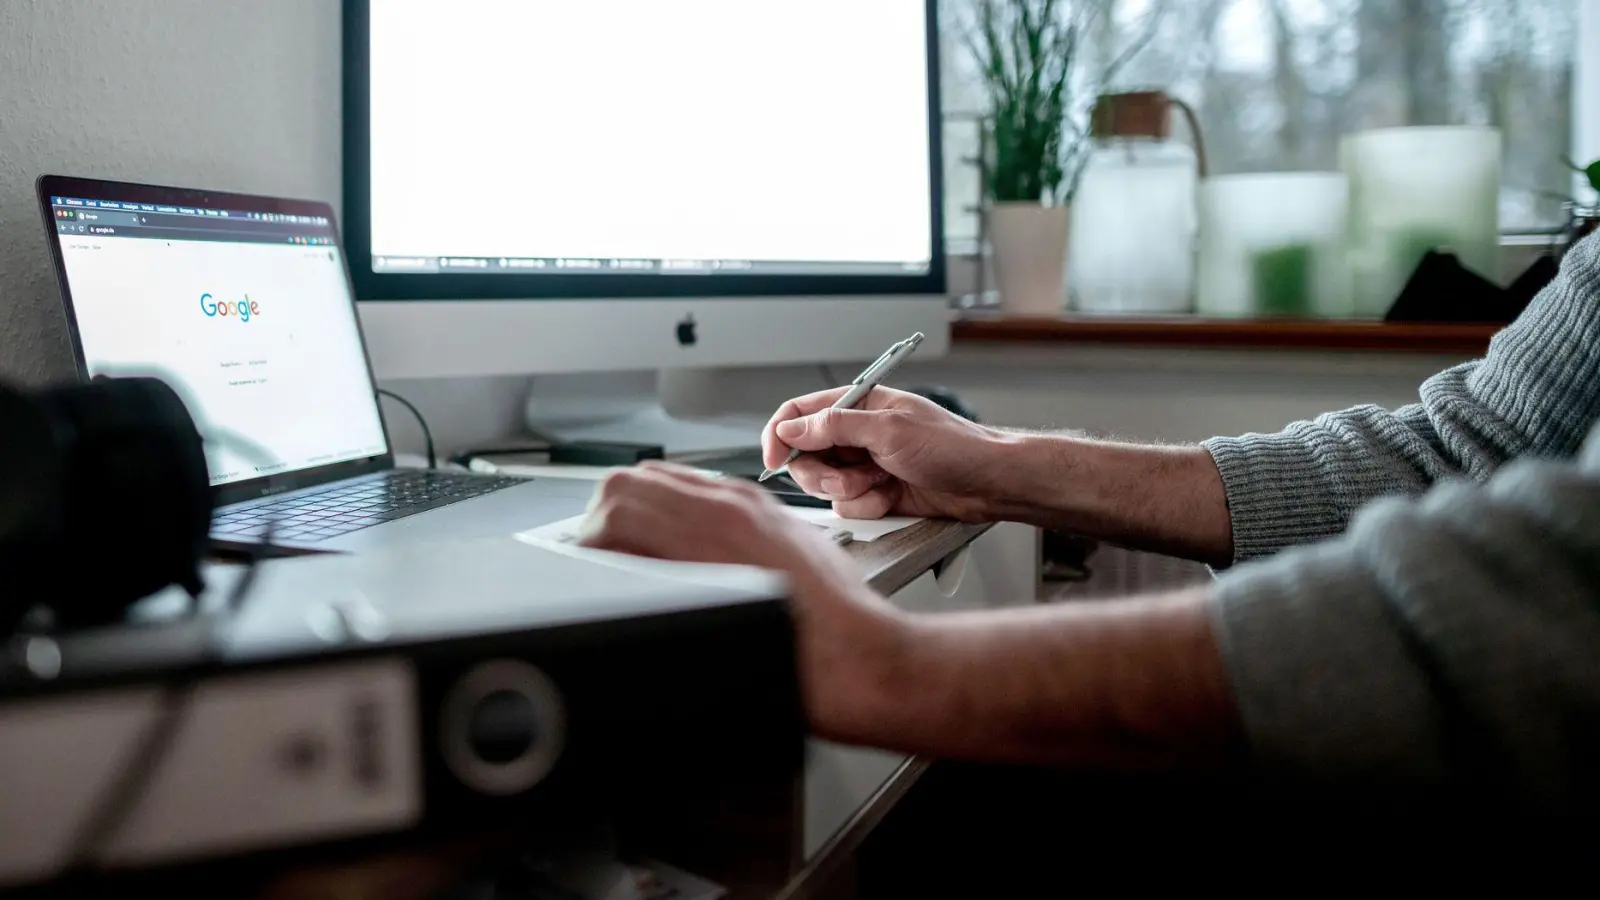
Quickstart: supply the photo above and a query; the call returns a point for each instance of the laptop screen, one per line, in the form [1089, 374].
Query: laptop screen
[247, 314]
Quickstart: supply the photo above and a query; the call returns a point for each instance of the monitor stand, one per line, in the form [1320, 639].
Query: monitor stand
[627, 407]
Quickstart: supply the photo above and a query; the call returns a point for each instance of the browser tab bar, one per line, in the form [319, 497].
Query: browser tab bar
[156, 221]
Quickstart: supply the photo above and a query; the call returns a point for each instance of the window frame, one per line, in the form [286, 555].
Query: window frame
[1585, 137]
[1586, 97]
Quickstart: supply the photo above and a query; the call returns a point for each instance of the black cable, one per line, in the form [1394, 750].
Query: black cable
[427, 436]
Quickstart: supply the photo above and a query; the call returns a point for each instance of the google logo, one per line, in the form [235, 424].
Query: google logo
[245, 309]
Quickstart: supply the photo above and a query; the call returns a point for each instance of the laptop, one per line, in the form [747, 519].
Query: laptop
[244, 306]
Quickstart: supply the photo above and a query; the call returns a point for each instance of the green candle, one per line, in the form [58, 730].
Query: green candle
[1282, 278]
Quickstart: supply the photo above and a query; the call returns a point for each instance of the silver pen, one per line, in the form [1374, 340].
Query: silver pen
[870, 378]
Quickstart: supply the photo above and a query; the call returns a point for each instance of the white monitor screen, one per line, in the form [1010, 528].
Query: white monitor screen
[248, 315]
[650, 137]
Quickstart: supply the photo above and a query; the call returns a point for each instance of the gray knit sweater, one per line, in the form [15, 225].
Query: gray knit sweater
[1455, 636]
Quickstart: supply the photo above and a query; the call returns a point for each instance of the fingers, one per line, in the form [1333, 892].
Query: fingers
[775, 449]
[820, 478]
[671, 512]
[660, 483]
[874, 504]
[683, 476]
[627, 524]
[831, 427]
[628, 510]
[809, 403]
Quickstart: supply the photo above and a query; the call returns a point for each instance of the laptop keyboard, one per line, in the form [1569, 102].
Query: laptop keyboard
[307, 518]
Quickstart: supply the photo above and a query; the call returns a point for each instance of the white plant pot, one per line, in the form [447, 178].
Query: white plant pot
[1029, 241]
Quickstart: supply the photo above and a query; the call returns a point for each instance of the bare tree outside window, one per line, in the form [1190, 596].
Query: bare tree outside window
[1276, 83]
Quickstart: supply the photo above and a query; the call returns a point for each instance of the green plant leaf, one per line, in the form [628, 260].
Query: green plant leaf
[1027, 53]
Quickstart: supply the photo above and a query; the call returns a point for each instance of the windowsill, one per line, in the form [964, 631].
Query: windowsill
[988, 325]
[1200, 332]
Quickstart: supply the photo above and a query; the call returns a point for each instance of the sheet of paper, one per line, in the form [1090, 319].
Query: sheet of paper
[562, 537]
[865, 530]
[563, 532]
[567, 531]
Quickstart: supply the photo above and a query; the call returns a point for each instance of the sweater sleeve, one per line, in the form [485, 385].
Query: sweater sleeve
[1445, 640]
[1534, 393]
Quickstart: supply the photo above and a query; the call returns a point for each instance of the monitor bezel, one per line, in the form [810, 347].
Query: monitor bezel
[49, 186]
[371, 285]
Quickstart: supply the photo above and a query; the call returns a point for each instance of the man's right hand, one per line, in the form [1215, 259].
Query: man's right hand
[898, 454]
[895, 454]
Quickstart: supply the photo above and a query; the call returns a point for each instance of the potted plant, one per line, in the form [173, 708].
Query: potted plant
[1032, 60]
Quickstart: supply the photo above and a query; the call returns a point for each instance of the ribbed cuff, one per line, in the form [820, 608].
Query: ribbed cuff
[1273, 498]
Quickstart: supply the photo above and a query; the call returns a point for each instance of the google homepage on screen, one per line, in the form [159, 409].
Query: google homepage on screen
[258, 335]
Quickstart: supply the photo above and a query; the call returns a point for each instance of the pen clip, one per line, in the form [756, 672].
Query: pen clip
[877, 364]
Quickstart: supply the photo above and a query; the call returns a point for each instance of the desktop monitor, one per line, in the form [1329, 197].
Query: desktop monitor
[553, 186]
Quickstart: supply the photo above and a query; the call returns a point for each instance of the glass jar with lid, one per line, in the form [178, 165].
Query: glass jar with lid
[1132, 239]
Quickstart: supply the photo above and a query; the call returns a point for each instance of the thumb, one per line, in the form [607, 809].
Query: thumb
[865, 429]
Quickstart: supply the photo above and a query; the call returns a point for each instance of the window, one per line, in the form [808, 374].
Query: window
[1277, 82]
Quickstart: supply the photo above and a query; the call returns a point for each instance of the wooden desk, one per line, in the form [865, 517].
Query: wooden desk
[899, 558]
[891, 565]
[755, 849]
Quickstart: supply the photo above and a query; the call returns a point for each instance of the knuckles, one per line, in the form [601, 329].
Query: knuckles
[730, 500]
[652, 484]
[621, 483]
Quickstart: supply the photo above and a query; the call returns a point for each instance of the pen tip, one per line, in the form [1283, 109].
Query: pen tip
[765, 474]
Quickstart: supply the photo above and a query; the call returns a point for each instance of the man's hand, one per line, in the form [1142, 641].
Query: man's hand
[849, 637]
[1129, 683]
[902, 455]
[897, 454]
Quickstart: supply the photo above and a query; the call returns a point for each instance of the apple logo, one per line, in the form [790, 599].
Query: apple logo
[686, 335]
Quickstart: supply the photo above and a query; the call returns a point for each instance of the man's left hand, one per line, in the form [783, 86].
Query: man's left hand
[849, 639]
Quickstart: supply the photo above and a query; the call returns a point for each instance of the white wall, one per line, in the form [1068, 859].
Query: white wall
[227, 94]
[238, 95]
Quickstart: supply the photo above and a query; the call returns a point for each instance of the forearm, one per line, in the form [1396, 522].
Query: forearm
[1163, 499]
[1238, 498]
[1534, 394]
[1442, 641]
[1131, 684]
